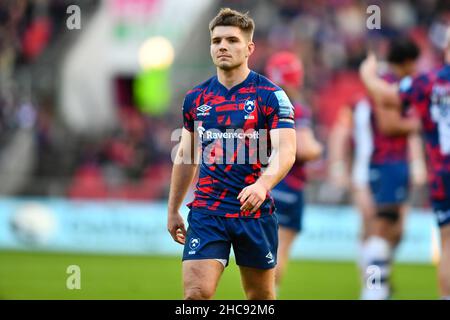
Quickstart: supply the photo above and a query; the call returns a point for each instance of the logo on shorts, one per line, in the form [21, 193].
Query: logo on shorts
[442, 215]
[270, 257]
[249, 107]
[193, 244]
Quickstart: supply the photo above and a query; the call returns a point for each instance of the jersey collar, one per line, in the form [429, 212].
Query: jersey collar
[244, 83]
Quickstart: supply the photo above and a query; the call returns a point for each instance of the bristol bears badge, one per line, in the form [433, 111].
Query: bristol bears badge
[249, 107]
[193, 245]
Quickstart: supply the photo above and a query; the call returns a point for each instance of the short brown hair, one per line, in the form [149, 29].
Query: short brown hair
[229, 17]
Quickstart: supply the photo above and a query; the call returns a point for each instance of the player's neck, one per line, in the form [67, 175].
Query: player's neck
[230, 78]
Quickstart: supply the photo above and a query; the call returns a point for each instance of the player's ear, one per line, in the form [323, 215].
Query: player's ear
[250, 48]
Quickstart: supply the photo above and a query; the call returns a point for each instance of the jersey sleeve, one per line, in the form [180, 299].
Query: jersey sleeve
[406, 91]
[188, 119]
[280, 111]
[413, 93]
[302, 117]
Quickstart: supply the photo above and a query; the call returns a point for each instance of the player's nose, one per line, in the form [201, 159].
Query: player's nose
[222, 46]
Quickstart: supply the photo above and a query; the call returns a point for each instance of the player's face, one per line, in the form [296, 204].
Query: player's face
[230, 48]
[409, 68]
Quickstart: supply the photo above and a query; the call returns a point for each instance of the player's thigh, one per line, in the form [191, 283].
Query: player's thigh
[362, 198]
[286, 237]
[364, 203]
[445, 238]
[200, 277]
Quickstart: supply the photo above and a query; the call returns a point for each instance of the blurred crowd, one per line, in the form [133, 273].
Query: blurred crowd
[27, 30]
[134, 161]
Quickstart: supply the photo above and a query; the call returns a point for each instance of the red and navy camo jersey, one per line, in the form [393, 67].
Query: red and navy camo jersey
[430, 95]
[233, 127]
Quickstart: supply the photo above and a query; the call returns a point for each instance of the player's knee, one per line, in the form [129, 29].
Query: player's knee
[261, 294]
[390, 214]
[198, 293]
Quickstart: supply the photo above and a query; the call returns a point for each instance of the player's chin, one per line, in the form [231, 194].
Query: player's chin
[225, 65]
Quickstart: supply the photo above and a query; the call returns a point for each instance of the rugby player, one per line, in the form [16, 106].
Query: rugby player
[380, 173]
[286, 70]
[233, 114]
[429, 96]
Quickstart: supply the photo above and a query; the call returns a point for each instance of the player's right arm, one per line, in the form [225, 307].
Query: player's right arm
[183, 172]
[387, 101]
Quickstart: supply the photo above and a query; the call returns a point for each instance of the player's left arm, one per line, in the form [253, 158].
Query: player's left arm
[308, 148]
[391, 122]
[281, 160]
[338, 148]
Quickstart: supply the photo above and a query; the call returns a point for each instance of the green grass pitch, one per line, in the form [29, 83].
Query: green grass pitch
[30, 275]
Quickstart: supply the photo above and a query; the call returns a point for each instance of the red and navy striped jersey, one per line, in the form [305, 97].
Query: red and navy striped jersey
[387, 149]
[233, 127]
[429, 94]
[295, 180]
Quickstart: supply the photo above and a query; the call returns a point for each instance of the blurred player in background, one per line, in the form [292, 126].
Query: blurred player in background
[429, 95]
[349, 152]
[232, 204]
[380, 174]
[286, 70]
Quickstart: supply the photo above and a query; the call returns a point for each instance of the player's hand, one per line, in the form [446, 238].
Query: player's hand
[175, 226]
[369, 66]
[252, 197]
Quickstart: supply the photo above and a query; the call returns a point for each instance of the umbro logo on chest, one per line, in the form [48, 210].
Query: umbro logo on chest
[203, 110]
[249, 108]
